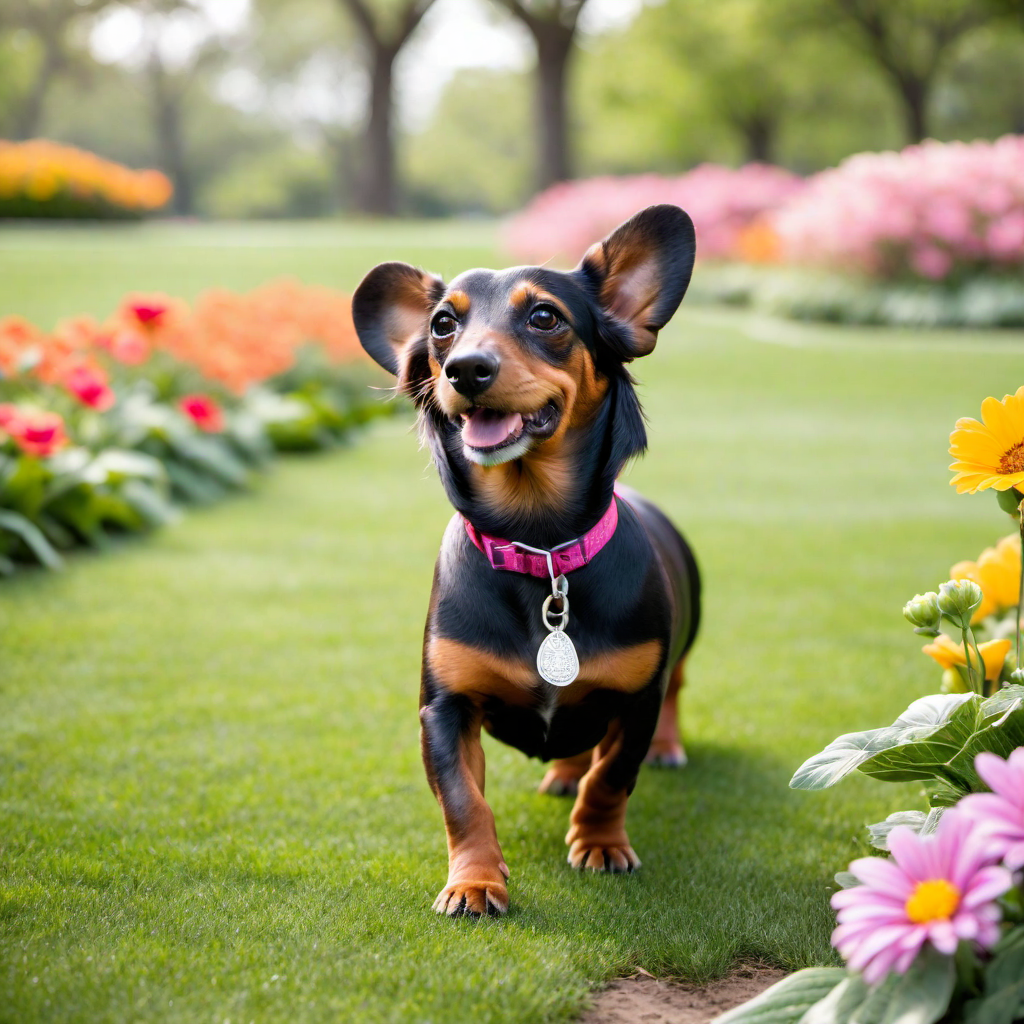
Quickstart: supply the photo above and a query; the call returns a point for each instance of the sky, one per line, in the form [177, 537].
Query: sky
[454, 34]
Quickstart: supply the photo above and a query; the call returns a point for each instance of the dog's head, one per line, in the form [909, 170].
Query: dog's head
[508, 363]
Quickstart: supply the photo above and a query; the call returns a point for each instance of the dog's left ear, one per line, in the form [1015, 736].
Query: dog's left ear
[640, 273]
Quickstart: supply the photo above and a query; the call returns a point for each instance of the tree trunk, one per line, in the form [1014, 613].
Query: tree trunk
[167, 104]
[554, 47]
[30, 116]
[759, 137]
[913, 93]
[378, 185]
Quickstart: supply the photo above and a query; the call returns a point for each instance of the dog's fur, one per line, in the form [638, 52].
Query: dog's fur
[552, 347]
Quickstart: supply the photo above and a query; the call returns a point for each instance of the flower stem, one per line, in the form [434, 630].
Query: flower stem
[970, 664]
[1020, 592]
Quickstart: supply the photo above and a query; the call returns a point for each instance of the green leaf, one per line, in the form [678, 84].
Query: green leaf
[917, 821]
[922, 995]
[926, 751]
[32, 537]
[788, 1000]
[846, 880]
[119, 464]
[922, 719]
[1003, 999]
[150, 505]
[837, 1006]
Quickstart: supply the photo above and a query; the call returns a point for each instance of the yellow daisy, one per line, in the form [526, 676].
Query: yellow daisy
[949, 654]
[997, 572]
[990, 453]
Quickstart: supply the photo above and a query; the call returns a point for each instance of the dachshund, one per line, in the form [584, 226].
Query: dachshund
[563, 605]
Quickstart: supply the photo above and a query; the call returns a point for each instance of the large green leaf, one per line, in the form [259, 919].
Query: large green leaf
[925, 752]
[31, 536]
[922, 995]
[922, 719]
[788, 1000]
[998, 727]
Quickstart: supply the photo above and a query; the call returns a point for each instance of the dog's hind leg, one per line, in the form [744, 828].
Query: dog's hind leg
[666, 748]
[563, 777]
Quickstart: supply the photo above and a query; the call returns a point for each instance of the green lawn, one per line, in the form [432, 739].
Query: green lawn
[211, 802]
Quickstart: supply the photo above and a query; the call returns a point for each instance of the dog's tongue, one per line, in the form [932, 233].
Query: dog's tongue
[485, 428]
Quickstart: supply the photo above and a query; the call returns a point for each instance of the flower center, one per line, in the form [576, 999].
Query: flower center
[934, 900]
[1012, 460]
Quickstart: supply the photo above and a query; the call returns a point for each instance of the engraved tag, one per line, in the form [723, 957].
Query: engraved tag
[557, 662]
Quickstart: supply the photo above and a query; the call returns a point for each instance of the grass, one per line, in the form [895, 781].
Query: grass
[211, 802]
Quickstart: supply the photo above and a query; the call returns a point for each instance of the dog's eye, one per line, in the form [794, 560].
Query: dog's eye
[443, 325]
[543, 318]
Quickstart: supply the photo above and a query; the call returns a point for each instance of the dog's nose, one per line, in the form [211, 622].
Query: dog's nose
[471, 372]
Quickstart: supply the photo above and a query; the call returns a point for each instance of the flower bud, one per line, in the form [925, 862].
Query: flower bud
[922, 611]
[958, 600]
[1017, 676]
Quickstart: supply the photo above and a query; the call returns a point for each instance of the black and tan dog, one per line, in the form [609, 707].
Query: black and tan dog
[530, 414]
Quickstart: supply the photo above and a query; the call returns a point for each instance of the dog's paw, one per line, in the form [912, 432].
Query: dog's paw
[595, 856]
[472, 899]
[559, 783]
[666, 755]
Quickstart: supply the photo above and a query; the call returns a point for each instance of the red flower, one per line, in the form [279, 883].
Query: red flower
[148, 312]
[204, 412]
[8, 412]
[89, 385]
[34, 432]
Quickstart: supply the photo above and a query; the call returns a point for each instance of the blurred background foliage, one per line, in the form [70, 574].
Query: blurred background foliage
[307, 108]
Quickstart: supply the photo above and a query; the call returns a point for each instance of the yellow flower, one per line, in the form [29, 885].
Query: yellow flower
[990, 453]
[997, 572]
[949, 654]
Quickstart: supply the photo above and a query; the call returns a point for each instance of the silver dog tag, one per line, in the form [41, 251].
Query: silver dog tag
[557, 662]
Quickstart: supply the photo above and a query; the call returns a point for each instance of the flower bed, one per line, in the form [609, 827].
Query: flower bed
[930, 236]
[562, 222]
[935, 930]
[43, 179]
[107, 427]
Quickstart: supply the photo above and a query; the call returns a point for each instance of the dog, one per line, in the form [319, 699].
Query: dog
[563, 606]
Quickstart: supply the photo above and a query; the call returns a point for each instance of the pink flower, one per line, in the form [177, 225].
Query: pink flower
[999, 815]
[127, 346]
[89, 385]
[204, 412]
[939, 888]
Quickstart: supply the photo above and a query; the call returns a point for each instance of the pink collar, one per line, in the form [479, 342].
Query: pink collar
[574, 554]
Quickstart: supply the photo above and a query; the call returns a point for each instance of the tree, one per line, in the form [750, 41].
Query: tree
[910, 41]
[49, 23]
[383, 38]
[552, 23]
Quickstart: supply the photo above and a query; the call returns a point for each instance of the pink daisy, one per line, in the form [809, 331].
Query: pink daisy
[939, 889]
[1000, 814]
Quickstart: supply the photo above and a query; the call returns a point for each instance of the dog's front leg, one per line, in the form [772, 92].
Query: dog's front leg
[454, 759]
[597, 837]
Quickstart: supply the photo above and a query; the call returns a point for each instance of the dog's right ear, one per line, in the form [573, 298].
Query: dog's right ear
[390, 310]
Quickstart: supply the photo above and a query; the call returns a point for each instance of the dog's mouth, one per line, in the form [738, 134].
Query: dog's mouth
[491, 436]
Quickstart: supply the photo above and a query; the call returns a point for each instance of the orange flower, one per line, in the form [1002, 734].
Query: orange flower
[949, 654]
[997, 572]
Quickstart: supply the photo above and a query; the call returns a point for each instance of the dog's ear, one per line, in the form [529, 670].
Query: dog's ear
[640, 273]
[390, 309]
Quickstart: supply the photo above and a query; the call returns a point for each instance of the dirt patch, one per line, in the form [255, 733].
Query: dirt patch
[643, 999]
